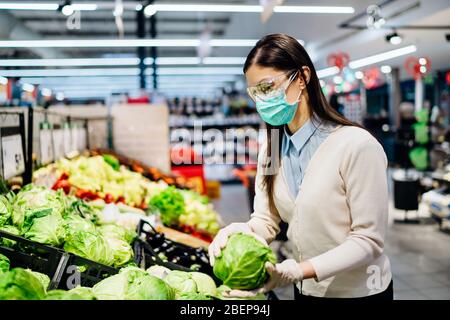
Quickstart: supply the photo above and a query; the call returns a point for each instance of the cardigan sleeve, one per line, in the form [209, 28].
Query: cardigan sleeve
[263, 222]
[364, 173]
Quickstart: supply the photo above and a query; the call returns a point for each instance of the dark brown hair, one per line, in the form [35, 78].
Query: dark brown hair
[284, 53]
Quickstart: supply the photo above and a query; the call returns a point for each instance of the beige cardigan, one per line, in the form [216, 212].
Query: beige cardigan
[339, 219]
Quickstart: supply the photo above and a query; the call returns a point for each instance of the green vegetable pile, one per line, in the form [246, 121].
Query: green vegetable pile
[170, 204]
[103, 176]
[52, 218]
[241, 264]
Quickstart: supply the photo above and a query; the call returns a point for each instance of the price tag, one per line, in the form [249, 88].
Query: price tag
[46, 143]
[82, 139]
[74, 134]
[13, 157]
[67, 141]
[58, 143]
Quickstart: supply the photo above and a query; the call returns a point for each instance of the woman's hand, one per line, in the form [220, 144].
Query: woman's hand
[221, 239]
[281, 274]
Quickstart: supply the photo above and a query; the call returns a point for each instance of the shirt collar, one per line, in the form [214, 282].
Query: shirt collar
[300, 137]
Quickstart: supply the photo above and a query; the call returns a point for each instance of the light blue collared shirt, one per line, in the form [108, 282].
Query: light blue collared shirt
[298, 149]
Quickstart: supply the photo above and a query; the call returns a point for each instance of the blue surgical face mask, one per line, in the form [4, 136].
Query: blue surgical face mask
[276, 110]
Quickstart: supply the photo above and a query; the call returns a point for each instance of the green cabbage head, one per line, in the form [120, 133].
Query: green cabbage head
[4, 263]
[90, 245]
[5, 242]
[20, 284]
[133, 284]
[241, 264]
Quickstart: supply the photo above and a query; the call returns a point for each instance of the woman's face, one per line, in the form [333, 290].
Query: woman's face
[269, 78]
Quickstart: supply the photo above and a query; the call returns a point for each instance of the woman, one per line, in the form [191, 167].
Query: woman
[323, 175]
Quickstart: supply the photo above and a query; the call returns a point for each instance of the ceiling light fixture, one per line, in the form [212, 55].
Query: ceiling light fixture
[66, 8]
[355, 64]
[28, 6]
[394, 38]
[359, 75]
[73, 62]
[123, 43]
[153, 8]
[70, 72]
[327, 72]
[386, 69]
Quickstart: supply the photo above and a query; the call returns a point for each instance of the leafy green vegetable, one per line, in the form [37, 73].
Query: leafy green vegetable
[8, 242]
[74, 223]
[85, 292]
[241, 264]
[33, 202]
[133, 284]
[4, 263]
[19, 284]
[193, 296]
[158, 271]
[65, 295]
[224, 288]
[191, 283]
[43, 278]
[122, 251]
[118, 232]
[90, 245]
[48, 229]
[170, 204]
[112, 161]
[181, 282]
[205, 284]
[5, 210]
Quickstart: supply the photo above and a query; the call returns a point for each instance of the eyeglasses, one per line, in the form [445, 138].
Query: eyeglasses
[271, 87]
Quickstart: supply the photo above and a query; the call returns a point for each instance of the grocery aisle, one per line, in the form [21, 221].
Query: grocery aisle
[418, 253]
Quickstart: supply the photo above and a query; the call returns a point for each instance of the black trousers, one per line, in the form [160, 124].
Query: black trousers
[386, 295]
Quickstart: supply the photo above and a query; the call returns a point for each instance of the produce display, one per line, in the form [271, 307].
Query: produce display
[103, 179]
[50, 217]
[241, 264]
[152, 173]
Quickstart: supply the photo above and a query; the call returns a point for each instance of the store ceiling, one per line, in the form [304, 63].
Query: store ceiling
[320, 32]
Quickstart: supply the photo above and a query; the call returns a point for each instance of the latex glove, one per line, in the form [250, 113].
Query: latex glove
[280, 275]
[221, 239]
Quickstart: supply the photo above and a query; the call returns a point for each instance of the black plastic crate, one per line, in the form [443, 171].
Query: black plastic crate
[83, 272]
[151, 244]
[35, 256]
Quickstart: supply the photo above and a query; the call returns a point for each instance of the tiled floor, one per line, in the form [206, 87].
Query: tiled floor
[419, 254]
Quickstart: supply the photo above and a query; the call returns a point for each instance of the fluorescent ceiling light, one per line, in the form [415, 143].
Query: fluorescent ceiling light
[327, 72]
[123, 43]
[46, 6]
[313, 9]
[196, 71]
[224, 60]
[28, 6]
[95, 72]
[84, 6]
[152, 9]
[75, 62]
[69, 72]
[69, 62]
[382, 57]
[99, 43]
[195, 60]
